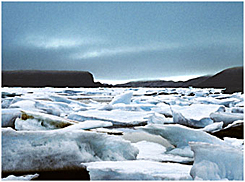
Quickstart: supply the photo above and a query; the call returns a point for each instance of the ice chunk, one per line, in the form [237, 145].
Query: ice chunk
[139, 135]
[6, 102]
[54, 108]
[123, 98]
[183, 152]
[63, 99]
[227, 102]
[9, 116]
[213, 127]
[127, 107]
[137, 170]
[40, 121]
[150, 150]
[108, 131]
[105, 107]
[117, 117]
[28, 151]
[57, 98]
[146, 107]
[156, 152]
[206, 100]
[146, 100]
[49, 107]
[227, 118]
[196, 115]
[180, 136]
[25, 105]
[164, 109]
[156, 118]
[21, 178]
[216, 162]
[201, 93]
[237, 143]
[130, 107]
[89, 124]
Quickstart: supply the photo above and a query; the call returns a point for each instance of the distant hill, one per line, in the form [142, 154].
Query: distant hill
[152, 83]
[37, 78]
[163, 83]
[231, 79]
[195, 81]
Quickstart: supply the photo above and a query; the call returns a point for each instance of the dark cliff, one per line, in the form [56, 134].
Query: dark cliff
[36, 78]
[231, 79]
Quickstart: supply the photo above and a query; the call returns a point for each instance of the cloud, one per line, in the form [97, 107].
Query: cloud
[103, 52]
[49, 42]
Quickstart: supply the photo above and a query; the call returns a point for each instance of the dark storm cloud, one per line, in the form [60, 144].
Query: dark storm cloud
[126, 40]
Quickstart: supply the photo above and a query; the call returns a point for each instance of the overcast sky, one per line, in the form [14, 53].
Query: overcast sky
[123, 41]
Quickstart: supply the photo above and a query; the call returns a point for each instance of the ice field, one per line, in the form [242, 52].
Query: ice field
[123, 133]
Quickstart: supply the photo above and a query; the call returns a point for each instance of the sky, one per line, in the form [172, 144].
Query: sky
[123, 41]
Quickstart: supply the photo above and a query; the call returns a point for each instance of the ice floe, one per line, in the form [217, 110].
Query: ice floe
[156, 118]
[60, 149]
[9, 116]
[89, 124]
[108, 131]
[234, 142]
[40, 121]
[137, 170]
[225, 117]
[55, 108]
[25, 105]
[213, 127]
[164, 109]
[196, 115]
[227, 102]
[20, 178]
[180, 136]
[136, 136]
[123, 98]
[157, 152]
[117, 117]
[60, 128]
[216, 162]
[6, 102]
